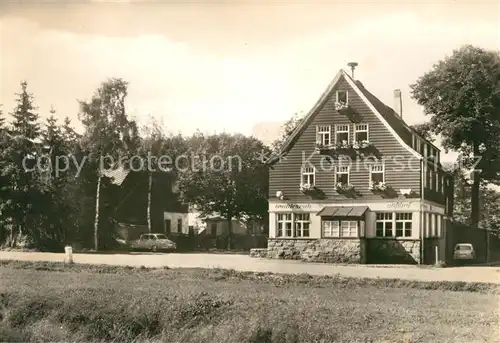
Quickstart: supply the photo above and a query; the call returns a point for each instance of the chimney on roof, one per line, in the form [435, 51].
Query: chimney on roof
[398, 103]
[353, 66]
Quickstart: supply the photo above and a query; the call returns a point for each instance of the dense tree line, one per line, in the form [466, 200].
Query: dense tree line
[53, 188]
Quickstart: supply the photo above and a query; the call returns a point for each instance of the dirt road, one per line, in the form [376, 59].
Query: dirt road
[245, 263]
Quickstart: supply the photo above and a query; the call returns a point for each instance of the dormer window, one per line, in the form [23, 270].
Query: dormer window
[342, 97]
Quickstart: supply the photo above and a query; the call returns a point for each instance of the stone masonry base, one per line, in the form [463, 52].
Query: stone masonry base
[374, 251]
[316, 250]
[393, 251]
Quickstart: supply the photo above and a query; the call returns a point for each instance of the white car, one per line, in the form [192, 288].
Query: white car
[153, 242]
[464, 251]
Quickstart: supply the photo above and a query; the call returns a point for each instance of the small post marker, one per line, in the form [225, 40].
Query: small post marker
[69, 254]
[437, 254]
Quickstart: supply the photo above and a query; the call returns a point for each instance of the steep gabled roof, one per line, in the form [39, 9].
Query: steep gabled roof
[385, 114]
[392, 118]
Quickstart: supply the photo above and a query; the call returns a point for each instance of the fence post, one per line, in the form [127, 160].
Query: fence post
[437, 254]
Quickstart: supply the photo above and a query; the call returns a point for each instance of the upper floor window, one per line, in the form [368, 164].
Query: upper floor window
[342, 175]
[341, 133]
[422, 148]
[342, 97]
[360, 132]
[302, 223]
[377, 174]
[427, 177]
[324, 133]
[308, 175]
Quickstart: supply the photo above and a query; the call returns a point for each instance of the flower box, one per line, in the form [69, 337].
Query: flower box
[361, 145]
[343, 145]
[344, 187]
[339, 106]
[323, 147]
[306, 187]
[378, 186]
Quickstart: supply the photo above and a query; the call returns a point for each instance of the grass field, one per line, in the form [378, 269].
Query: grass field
[54, 302]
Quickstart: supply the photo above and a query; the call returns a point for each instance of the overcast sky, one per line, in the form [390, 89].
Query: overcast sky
[229, 66]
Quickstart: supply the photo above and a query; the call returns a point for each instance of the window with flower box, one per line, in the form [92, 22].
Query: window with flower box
[308, 176]
[339, 228]
[342, 97]
[301, 222]
[361, 132]
[394, 224]
[342, 175]
[377, 174]
[341, 133]
[324, 134]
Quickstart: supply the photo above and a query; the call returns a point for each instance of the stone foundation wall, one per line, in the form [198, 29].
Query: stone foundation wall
[393, 251]
[316, 250]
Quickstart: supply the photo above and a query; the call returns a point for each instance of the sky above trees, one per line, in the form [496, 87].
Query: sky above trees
[221, 67]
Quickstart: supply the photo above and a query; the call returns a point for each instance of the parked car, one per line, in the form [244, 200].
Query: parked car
[464, 252]
[153, 242]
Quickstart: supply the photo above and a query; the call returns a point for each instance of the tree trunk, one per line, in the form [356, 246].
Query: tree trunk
[149, 201]
[475, 192]
[96, 221]
[229, 233]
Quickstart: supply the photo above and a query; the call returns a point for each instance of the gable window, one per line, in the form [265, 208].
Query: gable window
[324, 134]
[377, 174]
[307, 177]
[384, 226]
[284, 228]
[342, 134]
[361, 132]
[342, 175]
[302, 222]
[403, 224]
[342, 97]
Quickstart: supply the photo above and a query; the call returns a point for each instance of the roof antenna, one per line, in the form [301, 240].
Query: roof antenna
[353, 66]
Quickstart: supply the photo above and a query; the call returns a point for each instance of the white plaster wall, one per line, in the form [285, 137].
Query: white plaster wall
[174, 216]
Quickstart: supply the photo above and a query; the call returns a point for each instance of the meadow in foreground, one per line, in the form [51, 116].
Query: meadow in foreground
[54, 302]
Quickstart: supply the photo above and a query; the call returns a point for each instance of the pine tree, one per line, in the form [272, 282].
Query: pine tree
[25, 118]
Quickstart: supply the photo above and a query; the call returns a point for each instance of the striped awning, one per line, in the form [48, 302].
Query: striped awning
[342, 211]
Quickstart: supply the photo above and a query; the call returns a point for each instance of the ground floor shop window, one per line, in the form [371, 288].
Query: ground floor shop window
[339, 228]
[394, 224]
[286, 221]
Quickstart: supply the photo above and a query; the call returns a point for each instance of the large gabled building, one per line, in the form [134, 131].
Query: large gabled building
[354, 183]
